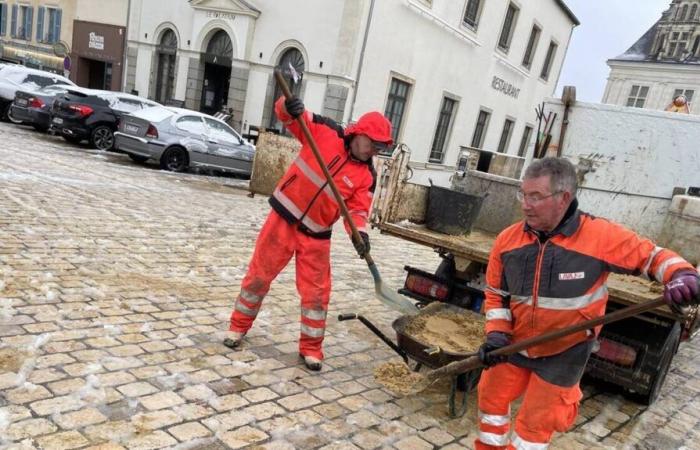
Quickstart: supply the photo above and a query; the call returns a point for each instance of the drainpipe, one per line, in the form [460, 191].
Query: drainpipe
[126, 46]
[362, 58]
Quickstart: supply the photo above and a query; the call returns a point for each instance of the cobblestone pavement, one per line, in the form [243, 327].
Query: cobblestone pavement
[116, 284]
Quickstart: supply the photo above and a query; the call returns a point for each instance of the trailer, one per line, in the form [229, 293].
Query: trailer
[634, 354]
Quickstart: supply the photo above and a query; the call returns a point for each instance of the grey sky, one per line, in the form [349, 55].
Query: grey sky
[608, 28]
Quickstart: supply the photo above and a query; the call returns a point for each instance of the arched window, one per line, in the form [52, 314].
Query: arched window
[693, 11]
[684, 12]
[292, 64]
[220, 49]
[165, 78]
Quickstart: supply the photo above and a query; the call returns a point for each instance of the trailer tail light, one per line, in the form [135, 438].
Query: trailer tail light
[427, 287]
[152, 132]
[36, 103]
[82, 110]
[616, 352]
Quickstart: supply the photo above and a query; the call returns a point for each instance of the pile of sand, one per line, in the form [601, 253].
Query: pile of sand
[453, 330]
[397, 377]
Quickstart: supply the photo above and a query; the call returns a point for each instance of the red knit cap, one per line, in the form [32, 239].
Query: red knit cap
[373, 125]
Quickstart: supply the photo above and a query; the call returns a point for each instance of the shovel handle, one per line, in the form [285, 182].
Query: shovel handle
[474, 362]
[329, 178]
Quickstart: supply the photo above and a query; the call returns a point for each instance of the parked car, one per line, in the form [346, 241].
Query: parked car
[87, 114]
[34, 107]
[179, 138]
[14, 78]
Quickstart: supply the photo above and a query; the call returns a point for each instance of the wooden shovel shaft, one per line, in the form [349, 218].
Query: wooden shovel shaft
[314, 148]
[474, 362]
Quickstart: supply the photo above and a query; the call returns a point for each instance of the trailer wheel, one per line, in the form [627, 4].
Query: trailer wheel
[668, 352]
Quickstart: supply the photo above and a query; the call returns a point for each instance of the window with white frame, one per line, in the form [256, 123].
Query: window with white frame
[48, 25]
[505, 135]
[437, 150]
[508, 27]
[638, 96]
[527, 134]
[688, 93]
[21, 22]
[396, 106]
[548, 60]
[531, 46]
[677, 44]
[472, 13]
[482, 124]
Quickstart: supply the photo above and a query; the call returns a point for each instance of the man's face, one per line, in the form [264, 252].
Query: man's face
[362, 147]
[543, 209]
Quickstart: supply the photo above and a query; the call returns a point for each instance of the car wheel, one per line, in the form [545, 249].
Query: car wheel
[9, 116]
[138, 158]
[102, 138]
[72, 139]
[174, 159]
[5, 111]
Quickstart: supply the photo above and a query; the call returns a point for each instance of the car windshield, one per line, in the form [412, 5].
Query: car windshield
[35, 81]
[125, 104]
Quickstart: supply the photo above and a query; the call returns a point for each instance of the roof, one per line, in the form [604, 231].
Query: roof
[640, 50]
[568, 12]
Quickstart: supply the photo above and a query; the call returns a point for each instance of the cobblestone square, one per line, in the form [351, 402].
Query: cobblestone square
[116, 285]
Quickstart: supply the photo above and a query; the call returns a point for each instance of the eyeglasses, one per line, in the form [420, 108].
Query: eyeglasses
[533, 198]
[381, 147]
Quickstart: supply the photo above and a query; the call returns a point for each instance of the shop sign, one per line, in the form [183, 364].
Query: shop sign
[505, 87]
[220, 15]
[96, 41]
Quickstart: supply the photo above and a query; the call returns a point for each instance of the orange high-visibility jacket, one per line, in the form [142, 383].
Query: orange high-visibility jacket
[303, 195]
[562, 281]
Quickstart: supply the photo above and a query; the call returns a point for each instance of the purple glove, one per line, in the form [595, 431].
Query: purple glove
[494, 340]
[682, 290]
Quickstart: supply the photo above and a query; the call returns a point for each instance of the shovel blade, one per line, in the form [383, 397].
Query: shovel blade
[390, 298]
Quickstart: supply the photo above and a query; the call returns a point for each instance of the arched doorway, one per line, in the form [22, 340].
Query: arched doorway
[217, 73]
[165, 78]
[292, 65]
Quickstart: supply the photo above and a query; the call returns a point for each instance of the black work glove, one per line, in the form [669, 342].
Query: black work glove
[494, 340]
[294, 106]
[362, 248]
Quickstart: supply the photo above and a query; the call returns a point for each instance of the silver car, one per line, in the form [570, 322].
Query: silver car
[179, 138]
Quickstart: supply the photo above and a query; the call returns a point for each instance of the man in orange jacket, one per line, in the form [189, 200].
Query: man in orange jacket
[548, 272]
[303, 213]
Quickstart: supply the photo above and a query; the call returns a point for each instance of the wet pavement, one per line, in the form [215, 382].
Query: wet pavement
[116, 285]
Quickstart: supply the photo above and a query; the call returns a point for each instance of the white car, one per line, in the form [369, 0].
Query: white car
[14, 78]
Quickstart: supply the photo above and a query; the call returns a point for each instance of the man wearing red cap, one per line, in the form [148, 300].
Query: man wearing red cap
[302, 217]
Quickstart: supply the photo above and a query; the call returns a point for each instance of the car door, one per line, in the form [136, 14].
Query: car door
[193, 136]
[226, 147]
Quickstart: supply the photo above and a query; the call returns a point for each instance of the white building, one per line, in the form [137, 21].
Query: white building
[448, 73]
[663, 64]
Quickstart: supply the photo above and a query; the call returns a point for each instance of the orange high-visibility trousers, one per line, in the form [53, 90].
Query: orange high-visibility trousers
[546, 408]
[277, 242]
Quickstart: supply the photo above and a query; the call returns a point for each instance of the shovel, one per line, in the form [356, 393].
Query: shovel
[385, 294]
[465, 365]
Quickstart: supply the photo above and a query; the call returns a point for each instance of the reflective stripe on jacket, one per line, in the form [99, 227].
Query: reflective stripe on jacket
[562, 281]
[303, 195]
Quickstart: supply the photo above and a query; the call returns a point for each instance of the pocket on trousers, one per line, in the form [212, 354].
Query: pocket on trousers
[570, 399]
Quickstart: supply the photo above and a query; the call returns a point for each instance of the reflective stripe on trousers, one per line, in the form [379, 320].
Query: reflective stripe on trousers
[277, 242]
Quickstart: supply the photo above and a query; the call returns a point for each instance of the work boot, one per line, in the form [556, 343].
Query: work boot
[233, 339]
[312, 363]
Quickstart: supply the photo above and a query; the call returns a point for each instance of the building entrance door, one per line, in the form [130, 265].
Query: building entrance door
[215, 90]
[99, 74]
[217, 73]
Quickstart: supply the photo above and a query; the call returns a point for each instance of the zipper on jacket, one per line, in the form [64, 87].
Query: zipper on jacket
[536, 283]
[288, 182]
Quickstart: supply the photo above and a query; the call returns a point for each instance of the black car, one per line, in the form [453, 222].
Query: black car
[87, 114]
[34, 107]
